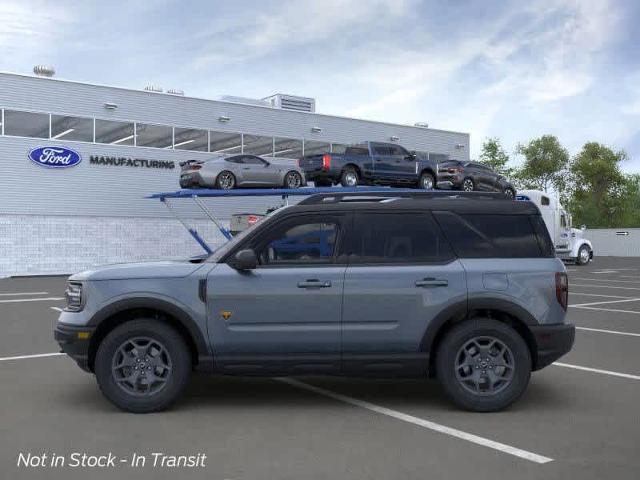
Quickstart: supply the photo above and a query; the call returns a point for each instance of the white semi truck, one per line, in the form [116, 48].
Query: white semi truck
[569, 242]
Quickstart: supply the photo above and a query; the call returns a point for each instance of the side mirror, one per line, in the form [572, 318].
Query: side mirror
[245, 260]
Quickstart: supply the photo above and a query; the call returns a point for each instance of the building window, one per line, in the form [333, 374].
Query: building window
[26, 124]
[190, 139]
[71, 128]
[312, 147]
[225, 142]
[157, 136]
[338, 148]
[114, 133]
[257, 145]
[287, 148]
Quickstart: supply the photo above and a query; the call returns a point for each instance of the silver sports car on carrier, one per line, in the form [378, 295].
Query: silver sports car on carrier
[227, 172]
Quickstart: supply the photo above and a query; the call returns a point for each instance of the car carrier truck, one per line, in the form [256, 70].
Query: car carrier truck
[569, 242]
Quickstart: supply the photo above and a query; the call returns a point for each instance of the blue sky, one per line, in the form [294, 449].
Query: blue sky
[514, 70]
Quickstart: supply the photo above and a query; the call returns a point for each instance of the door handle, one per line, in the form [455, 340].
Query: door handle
[313, 283]
[432, 282]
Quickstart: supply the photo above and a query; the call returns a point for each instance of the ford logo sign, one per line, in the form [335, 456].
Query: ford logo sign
[55, 157]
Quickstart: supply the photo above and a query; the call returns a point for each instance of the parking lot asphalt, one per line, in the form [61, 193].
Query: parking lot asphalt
[578, 419]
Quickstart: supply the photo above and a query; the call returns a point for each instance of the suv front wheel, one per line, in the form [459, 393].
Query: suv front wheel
[483, 365]
[142, 366]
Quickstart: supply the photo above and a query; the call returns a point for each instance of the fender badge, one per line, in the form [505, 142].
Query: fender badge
[226, 314]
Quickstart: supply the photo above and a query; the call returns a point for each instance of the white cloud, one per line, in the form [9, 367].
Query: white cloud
[293, 23]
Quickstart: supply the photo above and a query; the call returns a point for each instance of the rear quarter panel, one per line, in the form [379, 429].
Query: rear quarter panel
[528, 283]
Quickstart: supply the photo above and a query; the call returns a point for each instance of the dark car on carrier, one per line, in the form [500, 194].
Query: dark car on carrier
[371, 163]
[473, 176]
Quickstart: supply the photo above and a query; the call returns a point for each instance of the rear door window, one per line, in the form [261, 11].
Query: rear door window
[490, 236]
[412, 237]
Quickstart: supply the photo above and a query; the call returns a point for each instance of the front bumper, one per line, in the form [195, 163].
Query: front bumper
[552, 341]
[74, 341]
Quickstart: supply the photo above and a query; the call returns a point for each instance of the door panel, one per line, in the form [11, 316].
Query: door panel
[273, 321]
[402, 274]
[387, 310]
[284, 316]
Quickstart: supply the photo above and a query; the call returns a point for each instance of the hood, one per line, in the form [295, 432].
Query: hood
[128, 271]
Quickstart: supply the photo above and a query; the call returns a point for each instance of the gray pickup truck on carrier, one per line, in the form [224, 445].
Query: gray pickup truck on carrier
[465, 288]
[371, 163]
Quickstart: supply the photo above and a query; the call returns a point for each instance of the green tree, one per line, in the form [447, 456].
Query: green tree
[494, 156]
[545, 164]
[602, 195]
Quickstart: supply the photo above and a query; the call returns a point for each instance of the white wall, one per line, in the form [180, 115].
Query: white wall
[611, 242]
[37, 244]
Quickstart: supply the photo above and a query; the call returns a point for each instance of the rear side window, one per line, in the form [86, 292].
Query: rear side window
[357, 151]
[490, 236]
[397, 238]
[544, 239]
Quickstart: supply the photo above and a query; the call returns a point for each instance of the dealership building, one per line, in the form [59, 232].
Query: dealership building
[119, 145]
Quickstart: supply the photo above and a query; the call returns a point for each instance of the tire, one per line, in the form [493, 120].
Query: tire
[469, 394]
[584, 255]
[509, 193]
[225, 180]
[161, 346]
[349, 177]
[322, 183]
[292, 180]
[468, 185]
[427, 181]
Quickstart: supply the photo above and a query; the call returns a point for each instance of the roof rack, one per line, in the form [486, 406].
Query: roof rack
[315, 195]
[385, 195]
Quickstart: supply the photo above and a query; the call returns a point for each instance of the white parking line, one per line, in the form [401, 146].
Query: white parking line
[485, 442]
[597, 370]
[615, 332]
[610, 310]
[571, 292]
[605, 279]
[605, 286]
[16, 294]
[605, 301]
[37, 355]
[16, 300]
[57, 309]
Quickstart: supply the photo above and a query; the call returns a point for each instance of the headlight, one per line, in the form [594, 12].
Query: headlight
[73, 294]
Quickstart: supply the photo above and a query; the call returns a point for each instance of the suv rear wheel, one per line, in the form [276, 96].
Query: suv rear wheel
[483, 365]
[142, 366]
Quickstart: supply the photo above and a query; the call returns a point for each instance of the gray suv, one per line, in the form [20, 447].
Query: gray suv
[465, 288]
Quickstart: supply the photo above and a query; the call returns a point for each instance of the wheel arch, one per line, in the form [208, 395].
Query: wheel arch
[501, 310]
[125, 310]
[354, 166]
[428, 170]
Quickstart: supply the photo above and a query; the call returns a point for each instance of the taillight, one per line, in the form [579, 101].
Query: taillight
[562, 289]
[252, 219]
[326, 161]
[299, 161]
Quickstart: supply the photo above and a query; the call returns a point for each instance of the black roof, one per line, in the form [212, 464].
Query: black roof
[472, 203]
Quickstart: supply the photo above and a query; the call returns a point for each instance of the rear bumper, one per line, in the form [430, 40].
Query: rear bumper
[188, 180]
[453, 181]
[552, 341]
[312, 175]
[71, 344]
